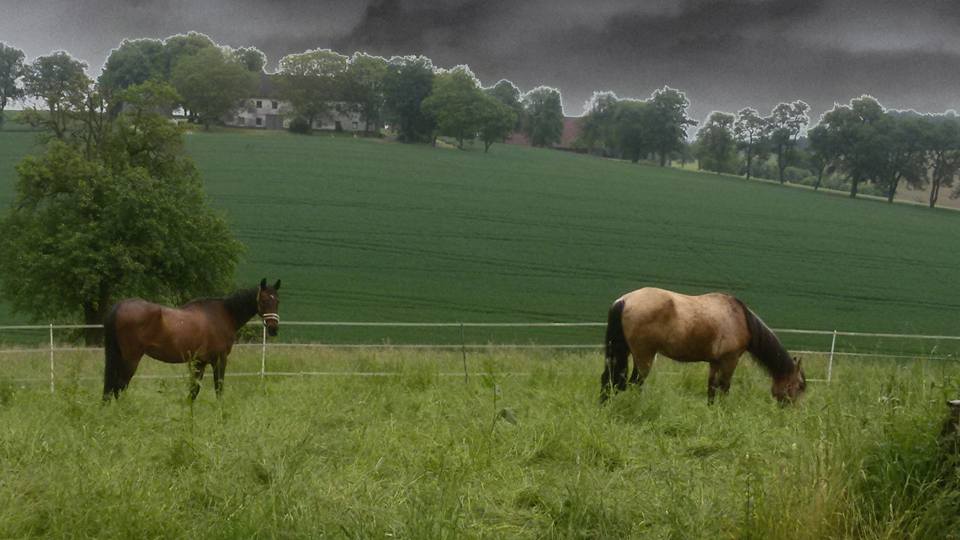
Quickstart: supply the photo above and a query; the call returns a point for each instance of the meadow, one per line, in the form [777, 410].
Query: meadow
[393, 442]
[362, 229]
[519, 450]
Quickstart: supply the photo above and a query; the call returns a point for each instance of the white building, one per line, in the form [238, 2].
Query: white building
[267, 111]
[261, 112]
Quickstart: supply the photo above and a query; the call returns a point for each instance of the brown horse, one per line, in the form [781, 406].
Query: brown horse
[714, 328]
[201, 331]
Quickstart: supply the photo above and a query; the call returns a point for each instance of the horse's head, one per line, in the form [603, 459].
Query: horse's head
[268, 305]
[790, 387]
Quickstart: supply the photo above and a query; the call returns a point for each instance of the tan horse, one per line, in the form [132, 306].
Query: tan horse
[714, 328]
[201, 331]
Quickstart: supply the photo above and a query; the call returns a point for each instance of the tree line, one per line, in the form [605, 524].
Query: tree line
[420, 101]
[857, 147]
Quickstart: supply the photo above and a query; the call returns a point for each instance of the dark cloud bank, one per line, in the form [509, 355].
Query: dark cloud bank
[725, 54]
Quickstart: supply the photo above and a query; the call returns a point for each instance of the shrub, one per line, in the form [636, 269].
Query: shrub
[300, 125]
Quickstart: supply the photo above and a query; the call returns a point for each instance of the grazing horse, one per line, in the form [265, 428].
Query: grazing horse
[200, 331]
[714, 328]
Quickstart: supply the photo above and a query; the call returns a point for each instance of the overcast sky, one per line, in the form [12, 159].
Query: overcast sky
[724, 54]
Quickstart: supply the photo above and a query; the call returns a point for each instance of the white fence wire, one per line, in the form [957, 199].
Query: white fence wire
[462, 345]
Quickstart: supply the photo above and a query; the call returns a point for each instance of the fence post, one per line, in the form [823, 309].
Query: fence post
[51, 359]
[263, 353]
[463, 351]
[833, 346]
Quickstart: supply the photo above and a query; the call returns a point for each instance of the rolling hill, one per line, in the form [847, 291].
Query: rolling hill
[362, 229]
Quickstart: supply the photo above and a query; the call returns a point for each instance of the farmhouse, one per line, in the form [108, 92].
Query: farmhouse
[266, 110]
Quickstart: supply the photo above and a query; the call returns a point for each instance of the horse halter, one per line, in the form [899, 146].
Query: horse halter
[266, 316]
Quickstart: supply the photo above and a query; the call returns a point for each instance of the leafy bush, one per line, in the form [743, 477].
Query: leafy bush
[300, 125]
[795, 174]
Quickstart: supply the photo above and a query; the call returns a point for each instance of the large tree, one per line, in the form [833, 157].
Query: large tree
[632, 119]
[212, 84]
[903, 156]
[667, 129]
[509, 95]
[180, 46]
[598, 125]
[943, 145]
[251, 58]
[784, 125]
[750, 131]
[11, 69]
[124, 217]
[716, 146]
[852, 132]
[312, 82]
[823, 151]
[135, 61]
[408, 81]
[454, 104]
[543, 116]
[363, 88]
[496, 121]
[61, 83]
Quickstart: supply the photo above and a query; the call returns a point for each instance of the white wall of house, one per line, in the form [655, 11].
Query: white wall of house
[267, 113]
[259, 113]
[340, 114]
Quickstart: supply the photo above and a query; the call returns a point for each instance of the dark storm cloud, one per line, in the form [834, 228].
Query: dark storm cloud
[724, 54]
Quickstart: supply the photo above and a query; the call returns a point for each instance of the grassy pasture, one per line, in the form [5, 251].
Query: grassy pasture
[414, 453]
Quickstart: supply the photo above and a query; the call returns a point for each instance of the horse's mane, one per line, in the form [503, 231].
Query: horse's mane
[765, 346]
[242, 304]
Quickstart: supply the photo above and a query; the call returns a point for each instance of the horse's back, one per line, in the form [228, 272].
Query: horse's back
[134, 311]
[681, 326]
[167, 333]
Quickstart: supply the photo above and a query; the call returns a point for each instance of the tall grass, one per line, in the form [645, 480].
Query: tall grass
[411, 452]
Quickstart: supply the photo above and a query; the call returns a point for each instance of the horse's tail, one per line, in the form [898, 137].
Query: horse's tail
[112, 356]
[616, 350]
[616, 343]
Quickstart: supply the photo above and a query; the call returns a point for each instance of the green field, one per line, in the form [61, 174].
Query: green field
[365, 230]
[412, 451]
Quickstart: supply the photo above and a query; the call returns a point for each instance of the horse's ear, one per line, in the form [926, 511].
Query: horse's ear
[263, 283]
[276, 286]
[799, 361]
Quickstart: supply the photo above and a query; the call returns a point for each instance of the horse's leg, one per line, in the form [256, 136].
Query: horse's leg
[620, 366]
[713, 381]
[126, 372]
[219, 368]
[642, 362]
[198, 369]
[721, 371]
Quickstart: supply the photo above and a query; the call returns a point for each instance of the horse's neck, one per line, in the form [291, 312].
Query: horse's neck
[242, 307]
